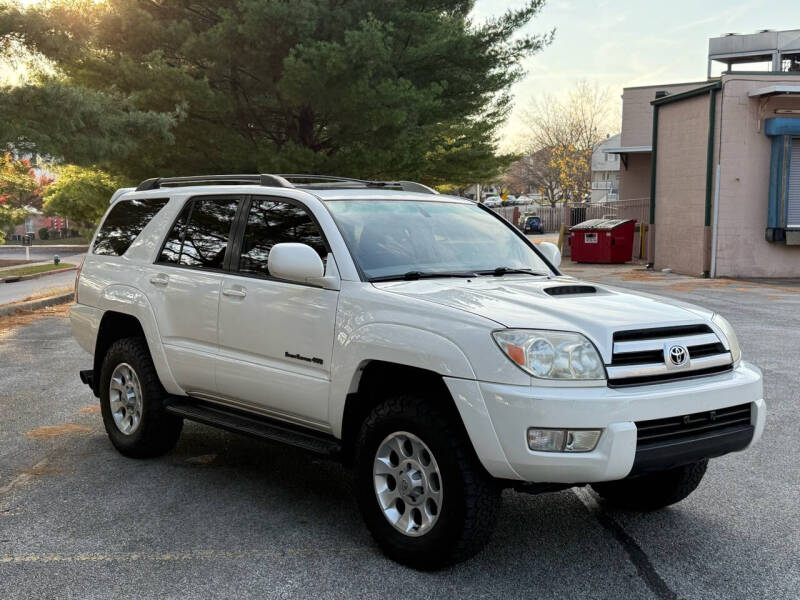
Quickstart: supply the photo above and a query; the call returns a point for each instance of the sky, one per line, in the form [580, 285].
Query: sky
[622, 43]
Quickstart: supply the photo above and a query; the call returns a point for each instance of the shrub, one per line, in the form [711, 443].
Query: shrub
[44, 233]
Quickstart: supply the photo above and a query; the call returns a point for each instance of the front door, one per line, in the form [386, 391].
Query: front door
[184, 287]
[276, 337]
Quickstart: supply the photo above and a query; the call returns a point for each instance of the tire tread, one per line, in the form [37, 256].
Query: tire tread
[159, 431]
[481, 493]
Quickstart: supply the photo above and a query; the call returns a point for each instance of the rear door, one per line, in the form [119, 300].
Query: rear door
[184, 287]
[276, 337]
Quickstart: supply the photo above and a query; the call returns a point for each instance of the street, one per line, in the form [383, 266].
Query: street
[40, 253]
[20, 290]
[225, 516]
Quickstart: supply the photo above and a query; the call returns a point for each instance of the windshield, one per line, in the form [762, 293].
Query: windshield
[395, 239]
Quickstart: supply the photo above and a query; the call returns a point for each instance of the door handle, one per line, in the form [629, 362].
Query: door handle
[235, 293]
[159, 279]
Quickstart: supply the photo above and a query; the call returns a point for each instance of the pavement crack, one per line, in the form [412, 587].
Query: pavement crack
[637, 556]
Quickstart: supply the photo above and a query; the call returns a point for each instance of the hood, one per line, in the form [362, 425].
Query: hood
[532, 303]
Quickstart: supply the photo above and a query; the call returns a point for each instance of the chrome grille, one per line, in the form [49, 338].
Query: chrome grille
[640, 356]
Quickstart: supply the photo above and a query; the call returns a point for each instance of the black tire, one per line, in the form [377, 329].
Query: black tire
[470, 496]
[158, 431]
[653, 491]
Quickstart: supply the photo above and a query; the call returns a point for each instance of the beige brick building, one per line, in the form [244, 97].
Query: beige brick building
[720, 162]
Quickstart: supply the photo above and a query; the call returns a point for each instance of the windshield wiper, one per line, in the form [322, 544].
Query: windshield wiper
[500, 271]
[414, 275]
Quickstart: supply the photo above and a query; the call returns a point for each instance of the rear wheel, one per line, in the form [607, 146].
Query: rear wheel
[132, 402]
[423, 495]
[653, 491]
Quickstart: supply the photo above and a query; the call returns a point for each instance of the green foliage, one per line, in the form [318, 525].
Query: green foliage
[395, 89]
[81, 193]
[44, 233]
[81, 124]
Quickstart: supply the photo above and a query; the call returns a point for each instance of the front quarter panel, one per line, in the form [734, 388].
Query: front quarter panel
[375, 325]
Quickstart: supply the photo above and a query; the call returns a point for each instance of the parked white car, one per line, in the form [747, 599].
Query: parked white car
[417, 337]
[493, 201]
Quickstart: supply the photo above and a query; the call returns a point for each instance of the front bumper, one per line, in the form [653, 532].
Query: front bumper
[511, 410]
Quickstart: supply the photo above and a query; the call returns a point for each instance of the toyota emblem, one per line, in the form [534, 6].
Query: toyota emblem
[678, 355]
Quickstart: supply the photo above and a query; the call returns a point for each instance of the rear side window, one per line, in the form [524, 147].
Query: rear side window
[201, 234]
[273, 222]
[123, 224]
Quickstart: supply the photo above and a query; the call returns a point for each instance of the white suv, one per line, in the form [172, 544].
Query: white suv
[418, 337]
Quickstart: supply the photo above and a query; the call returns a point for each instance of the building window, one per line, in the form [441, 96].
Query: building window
[793, 190]
[783, 213]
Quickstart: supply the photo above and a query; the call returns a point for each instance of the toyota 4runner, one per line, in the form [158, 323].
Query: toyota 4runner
[417, 337]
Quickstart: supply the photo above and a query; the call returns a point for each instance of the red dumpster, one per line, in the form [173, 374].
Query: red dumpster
[602, 240]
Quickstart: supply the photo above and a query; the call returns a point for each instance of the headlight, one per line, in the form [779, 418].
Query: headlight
[727, 330]
[551, 354]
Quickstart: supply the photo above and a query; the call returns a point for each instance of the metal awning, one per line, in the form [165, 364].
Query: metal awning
[773, 90]
[629, 150]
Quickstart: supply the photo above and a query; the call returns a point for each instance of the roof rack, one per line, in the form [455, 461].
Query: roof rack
[332, 182]
[304, 181]
[265, 180]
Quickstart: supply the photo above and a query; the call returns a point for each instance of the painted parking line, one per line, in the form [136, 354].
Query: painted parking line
[191, 555]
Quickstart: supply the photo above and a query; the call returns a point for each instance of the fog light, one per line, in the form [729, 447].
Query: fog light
[546, 440]
[582, 440]
[563, 440]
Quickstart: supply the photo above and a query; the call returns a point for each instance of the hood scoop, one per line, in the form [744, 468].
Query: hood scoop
[570, 290]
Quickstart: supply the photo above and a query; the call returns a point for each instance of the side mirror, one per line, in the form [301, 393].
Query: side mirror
[295, 262]
[550, 251]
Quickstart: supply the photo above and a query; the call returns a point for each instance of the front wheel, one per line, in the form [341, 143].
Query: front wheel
[655, 490]
[423, 495]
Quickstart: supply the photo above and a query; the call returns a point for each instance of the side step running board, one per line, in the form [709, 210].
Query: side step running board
[253, 426]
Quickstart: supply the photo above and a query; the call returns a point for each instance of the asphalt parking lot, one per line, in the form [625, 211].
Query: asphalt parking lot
[224, 516]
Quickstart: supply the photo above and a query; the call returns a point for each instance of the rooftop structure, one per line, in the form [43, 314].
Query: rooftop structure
[777, 51]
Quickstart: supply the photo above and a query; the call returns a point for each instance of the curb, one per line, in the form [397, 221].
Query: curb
[9, 309]
[14, 278]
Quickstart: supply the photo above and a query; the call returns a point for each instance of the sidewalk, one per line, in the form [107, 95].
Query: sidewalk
[658, 282]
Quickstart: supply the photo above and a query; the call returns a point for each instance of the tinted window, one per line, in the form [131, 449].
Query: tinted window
[272, 222]
[200, 235]
[124, 223]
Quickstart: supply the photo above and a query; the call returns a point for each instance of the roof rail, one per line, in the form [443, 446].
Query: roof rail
[264, 179]
[329, 181]
[311, 181]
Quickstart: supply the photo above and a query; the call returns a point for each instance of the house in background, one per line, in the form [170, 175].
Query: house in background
[605, 171]
[720, 161]
[36, 220]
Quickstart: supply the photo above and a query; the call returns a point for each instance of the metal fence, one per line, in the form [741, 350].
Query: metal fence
[552, 217]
